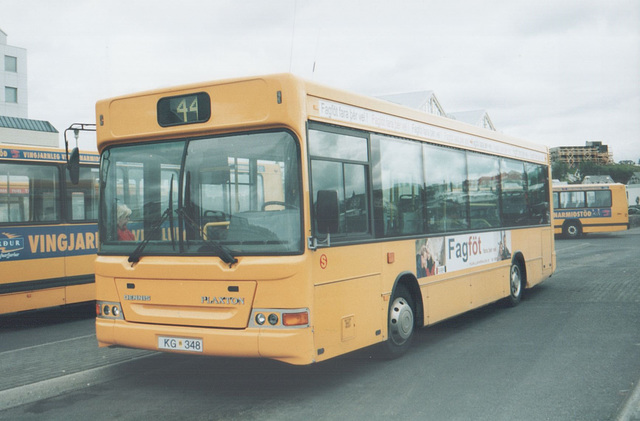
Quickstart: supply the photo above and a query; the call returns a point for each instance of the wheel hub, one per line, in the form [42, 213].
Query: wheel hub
[516, 282]
[401, 321]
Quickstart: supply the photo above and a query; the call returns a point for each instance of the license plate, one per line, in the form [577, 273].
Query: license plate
[180, 344]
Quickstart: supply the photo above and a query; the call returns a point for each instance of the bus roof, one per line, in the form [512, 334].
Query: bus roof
[267, 101]
[599, 186]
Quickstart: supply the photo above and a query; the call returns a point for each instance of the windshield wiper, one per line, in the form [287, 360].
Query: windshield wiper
[223, 252]
[168, 213]
[170, 210]
[137, 253]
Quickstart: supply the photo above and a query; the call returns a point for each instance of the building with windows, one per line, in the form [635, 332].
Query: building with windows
[595, 152]
[13, 79]
[15, 126]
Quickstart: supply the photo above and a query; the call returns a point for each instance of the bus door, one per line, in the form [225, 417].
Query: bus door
[346, 272]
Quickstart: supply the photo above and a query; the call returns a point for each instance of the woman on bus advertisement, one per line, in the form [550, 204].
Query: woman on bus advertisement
[429, 257]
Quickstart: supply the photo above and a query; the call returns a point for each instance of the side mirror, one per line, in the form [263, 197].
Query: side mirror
[73, 166]
[327, 213]
[73, 159]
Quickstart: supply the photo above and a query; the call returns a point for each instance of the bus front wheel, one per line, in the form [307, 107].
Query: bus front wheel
[401, 323]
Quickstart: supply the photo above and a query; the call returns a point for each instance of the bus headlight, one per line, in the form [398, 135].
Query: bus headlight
[260, 319]
[108, 310]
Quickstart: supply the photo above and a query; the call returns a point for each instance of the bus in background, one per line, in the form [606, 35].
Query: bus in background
[282, 219]
[48, 228]
[583, 208]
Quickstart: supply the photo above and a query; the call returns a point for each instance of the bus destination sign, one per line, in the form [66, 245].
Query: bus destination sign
[184, 109]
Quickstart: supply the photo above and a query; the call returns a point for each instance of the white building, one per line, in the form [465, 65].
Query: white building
[15, 126]
[13, 79]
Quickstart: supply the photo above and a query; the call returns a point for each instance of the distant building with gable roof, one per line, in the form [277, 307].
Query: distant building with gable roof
[478, 118]
[420, 100]
[428, 102]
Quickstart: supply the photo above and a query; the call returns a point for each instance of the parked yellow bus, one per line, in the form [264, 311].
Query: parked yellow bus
[381, 219]
[583, 208]
[48, 228]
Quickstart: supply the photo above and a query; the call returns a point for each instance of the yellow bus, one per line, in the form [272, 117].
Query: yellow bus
[48, 228]
[583, 208]
[381, 219]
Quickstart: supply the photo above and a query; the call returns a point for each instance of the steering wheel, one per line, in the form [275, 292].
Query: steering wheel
[216, 215]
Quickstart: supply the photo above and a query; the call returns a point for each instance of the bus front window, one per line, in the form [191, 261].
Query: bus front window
[231, 195]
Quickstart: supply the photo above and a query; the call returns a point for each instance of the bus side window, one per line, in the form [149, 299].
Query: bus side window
[28, 193]
[14, 194]
[513, 190]
[538, 193]
[484, 196]
[446, 189]
[599, 199]
[45, 196]
[82, 198]
[403, 192]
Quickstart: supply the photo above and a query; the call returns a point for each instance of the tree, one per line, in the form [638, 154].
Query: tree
[621, 173]
[559, 170]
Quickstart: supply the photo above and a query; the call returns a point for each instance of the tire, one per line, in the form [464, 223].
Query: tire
[516, 285]
[572, 230]
[401, 323]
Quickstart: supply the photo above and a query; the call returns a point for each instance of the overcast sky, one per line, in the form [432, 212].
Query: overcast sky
[556, 72]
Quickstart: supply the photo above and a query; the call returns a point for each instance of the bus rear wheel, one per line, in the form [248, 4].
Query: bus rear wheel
[516, 285]
[572, 230]
[401, 323]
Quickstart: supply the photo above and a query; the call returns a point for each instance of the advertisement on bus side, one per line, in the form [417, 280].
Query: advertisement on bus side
[26, 243]
[438, 255]
[583, 213]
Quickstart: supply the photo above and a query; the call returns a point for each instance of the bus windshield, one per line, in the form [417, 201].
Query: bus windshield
[225, 196]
